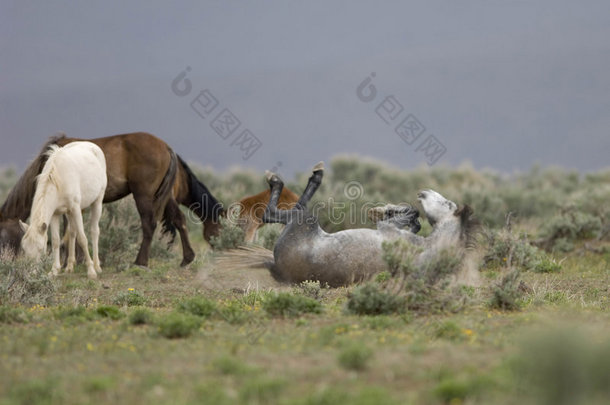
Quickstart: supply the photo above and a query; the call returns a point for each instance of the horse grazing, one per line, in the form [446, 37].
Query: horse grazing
[304, 251]
[140, 164]
[252, 208]
[72, 179]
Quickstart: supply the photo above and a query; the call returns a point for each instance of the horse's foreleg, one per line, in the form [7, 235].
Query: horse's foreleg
[173, 214]
[145, 209]
[55, 244]
[71, 233]
[312, 185]
[77, 223]
[96, 214]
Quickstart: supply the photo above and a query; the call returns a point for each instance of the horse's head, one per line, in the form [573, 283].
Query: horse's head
[440, 210]
[437, 207]
[34, 241]
[11, 234]
[212, 225]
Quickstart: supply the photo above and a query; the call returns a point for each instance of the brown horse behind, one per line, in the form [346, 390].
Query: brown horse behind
[252, 209]
[139, 164]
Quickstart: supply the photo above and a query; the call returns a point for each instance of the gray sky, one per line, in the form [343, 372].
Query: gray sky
[502, 84]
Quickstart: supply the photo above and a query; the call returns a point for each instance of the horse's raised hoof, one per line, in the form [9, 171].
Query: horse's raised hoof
[272, 178]
[319, 167]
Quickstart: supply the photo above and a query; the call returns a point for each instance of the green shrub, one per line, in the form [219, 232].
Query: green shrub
[459, 389]
[230, 237]
[199, 306]
[108, 311]
[547, 265]
[261, 390]
[37, 391]
[99, 384]
[435, 267]
[507, 295]
[141, 316]
[177, 325]
[508, 250]
[449, 330]
[310, 289]
[355, 357]
[383, 277]
[234, 312]
[399, 255]
[424, 277]
[450, 390]
[129, 298]
[229, 365]
[371, 299]
[25, 281]
[286, 304]
[562, 230]
[13, 315]
[268, 234]
[380, 322]
[74, 314]
[118, 244]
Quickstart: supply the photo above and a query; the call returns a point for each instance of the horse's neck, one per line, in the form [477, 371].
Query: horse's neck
[445, 234]
[45, 202]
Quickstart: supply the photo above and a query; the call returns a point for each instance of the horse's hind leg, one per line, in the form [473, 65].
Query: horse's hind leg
[312, 185]
[144, 204]
[55, 244]
[96, 214]
[76, 219]
[273, 214]
[173, 214]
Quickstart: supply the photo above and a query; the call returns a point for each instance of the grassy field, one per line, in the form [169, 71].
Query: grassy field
[204, 334]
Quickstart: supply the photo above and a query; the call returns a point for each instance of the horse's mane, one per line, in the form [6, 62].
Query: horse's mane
[18, 204]
[469, 226]
[46, 178]
[204, 204]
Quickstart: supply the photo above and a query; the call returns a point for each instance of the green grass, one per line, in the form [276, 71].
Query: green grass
[164, 334]
[98, 352]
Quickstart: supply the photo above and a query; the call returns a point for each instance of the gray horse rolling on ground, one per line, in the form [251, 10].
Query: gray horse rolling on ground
[304, 251]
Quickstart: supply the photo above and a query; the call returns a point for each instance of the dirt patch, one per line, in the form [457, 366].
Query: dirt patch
[238, 279]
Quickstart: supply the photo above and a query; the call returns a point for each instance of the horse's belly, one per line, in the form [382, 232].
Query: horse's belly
[335, 259]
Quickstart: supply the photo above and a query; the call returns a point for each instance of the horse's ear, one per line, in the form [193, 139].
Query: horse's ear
[43, 227]
[23, 225]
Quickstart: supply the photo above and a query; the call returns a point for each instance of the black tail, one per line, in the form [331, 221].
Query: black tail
[201, 201]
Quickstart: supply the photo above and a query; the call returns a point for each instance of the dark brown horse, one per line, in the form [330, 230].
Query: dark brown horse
[139, 164]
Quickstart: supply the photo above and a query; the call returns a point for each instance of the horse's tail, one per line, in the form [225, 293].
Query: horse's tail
[18, 204]
[203, 203]
[164, 192]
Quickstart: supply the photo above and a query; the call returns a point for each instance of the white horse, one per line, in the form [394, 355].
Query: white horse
[73, 178]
